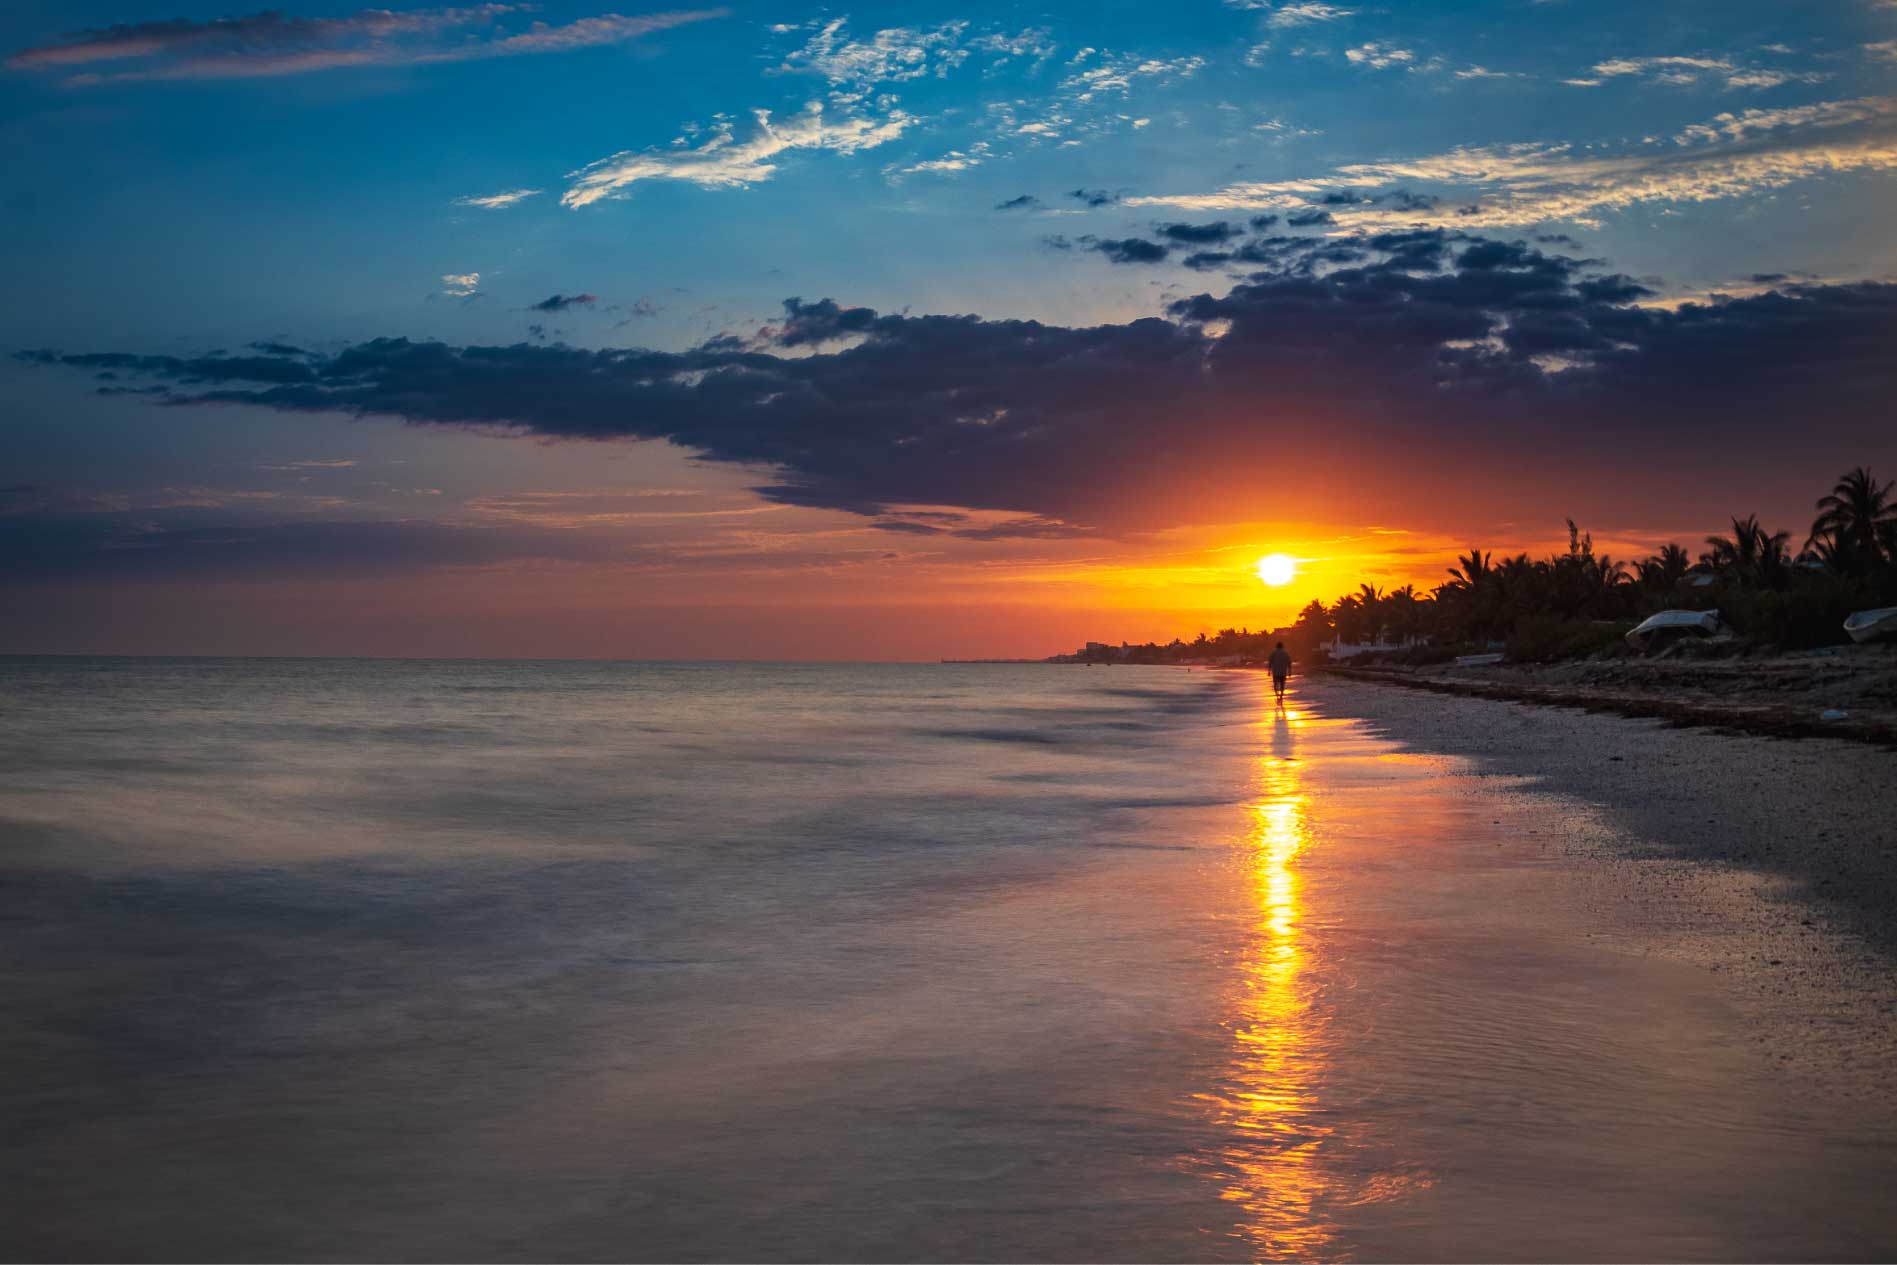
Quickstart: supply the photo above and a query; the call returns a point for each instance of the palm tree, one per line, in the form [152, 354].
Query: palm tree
[1857, 515]
[1315, 621]
[1347, 618]
[1751, 555]
[1606, 575]
[1834, 554]
[1472, 572]
[1665, 569]
[1468, 602]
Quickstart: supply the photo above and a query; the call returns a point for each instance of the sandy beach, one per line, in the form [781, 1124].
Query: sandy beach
[1844, 692]
[1769, 863]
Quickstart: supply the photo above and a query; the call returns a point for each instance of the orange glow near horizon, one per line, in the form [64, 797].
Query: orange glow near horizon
[638, 552]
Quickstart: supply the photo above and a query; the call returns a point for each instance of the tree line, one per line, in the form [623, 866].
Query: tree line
[1583, 600]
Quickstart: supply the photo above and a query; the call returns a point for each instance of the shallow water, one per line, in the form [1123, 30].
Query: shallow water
[326, 959]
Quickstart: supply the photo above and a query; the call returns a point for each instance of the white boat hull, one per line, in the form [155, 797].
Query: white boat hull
[1871, 625]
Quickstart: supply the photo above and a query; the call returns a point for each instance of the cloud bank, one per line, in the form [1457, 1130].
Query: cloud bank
[1337, 375]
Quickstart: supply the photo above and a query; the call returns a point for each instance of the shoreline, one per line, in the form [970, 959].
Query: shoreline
[1844, 696]
[1771, 866]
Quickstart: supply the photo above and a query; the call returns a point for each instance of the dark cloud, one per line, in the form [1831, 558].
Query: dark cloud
[1032, 527]
[1614, 289]
[1205, 260]
[1340, 376]
[278, 349]
[825, 321]
[1026, 202]
[1263, 222]
[1199, 234]
[186, 370]
[1277, 253]
[1129, 250]
[562, 302]
[1307, 218]
[1414, 248]
[1094, 197]
[938, 517]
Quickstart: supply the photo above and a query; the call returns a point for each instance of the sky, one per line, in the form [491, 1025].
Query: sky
[761, 330]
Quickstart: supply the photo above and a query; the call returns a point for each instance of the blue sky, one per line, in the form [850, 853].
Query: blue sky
[185, 180]
[313, 203]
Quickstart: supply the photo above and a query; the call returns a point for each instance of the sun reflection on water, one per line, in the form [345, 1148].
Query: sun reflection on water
[1287, 1162]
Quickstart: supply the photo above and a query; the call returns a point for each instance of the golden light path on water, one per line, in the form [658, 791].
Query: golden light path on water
[1293, 1159]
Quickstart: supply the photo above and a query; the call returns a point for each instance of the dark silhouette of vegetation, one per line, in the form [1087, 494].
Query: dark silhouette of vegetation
[1582, 602]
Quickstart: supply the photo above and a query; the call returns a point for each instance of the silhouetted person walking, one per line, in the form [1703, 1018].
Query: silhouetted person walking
[1280, 663]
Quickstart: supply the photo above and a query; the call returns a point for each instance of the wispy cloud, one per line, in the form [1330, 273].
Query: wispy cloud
[269, 44]
[1306, 13]
[896, 55]
[725, 162]
[1115, 75]
[1687, 71]
[1823, 114]
[498, 201]
[1379, 56]
[460, 285]
[955, 160]
[1733, 155]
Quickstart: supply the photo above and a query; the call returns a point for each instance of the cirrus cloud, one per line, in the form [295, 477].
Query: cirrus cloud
[725, 162]
[1733, 155]
[270, 44]
[498, 201]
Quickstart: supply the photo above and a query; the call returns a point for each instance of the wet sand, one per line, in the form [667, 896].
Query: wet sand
[1769, 865]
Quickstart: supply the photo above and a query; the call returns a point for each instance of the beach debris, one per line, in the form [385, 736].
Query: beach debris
[1834, 713]
[1872, 624]
[1477, 660]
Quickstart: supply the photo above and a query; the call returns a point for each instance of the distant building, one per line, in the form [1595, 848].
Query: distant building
[1341, 649]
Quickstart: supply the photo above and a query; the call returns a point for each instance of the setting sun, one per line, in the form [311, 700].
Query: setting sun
[1277, 569]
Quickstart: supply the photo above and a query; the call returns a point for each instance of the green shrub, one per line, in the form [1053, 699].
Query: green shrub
[1546, 638]
[1809, 614]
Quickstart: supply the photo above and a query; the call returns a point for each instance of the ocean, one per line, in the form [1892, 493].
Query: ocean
[343, 959]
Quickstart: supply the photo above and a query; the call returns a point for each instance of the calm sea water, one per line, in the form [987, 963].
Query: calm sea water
[399, 960]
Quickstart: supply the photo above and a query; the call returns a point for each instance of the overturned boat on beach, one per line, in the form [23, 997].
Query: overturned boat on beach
[1670, 626]
[1873, 624]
